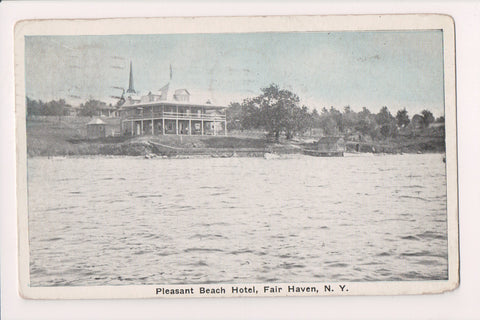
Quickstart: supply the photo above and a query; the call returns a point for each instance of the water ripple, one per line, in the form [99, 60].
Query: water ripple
[242, 220]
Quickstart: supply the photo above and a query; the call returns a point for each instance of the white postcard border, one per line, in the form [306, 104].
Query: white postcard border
[183, 25]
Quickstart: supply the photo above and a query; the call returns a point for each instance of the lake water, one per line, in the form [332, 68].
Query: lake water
[118, 221]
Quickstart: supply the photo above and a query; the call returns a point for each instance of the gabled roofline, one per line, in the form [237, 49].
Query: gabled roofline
[182, 89]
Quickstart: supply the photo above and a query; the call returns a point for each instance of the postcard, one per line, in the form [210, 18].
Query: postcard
[236, 156]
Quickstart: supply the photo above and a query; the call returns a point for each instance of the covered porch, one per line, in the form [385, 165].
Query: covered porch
[162, 119]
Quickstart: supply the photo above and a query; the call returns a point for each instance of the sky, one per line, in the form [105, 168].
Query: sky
[397, 69]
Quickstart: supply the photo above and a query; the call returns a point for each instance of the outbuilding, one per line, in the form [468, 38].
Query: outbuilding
[331, 144]
[96, 129]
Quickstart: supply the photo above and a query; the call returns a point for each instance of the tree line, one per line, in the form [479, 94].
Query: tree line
[60, 107]
[278, 112]
[52, 108]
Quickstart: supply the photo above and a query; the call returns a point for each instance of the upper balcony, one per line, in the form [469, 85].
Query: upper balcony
[176, 116]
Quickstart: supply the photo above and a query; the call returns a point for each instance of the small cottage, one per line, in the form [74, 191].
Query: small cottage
[327, 147]
[96, 129]
[331, 144]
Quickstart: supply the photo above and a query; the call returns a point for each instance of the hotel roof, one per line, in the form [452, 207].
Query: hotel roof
[171, 103]
[163, 96]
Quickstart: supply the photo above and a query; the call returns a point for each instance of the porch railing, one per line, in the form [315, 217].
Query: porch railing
[176, 115]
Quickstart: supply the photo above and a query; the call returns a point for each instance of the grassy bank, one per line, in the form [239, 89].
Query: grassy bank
[66, 136]
[54, 136]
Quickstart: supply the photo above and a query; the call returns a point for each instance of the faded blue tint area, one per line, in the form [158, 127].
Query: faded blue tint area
[361, 69]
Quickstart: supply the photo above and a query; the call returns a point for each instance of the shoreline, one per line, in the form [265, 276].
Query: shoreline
[51, 138]
[200, 156]
[150, 150]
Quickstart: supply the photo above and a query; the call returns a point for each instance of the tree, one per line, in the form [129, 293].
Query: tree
[402, 118]
[364, 122]
[337, 118]
[56, 108]
[384, 116]
[234, 116]
[33, 107]
[315, 118]
[331, 121]
[349, 119]
[276, 110]
[250, 116]
[301, 121]
[364, 127]
[328, 125]
[53, 108]
[91, 108]
[364, 113]
[427, 118]
[386, 122]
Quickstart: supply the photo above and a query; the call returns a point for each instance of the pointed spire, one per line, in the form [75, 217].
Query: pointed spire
[130, 81]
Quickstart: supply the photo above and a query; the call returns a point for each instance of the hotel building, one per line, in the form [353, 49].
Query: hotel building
[159, 114]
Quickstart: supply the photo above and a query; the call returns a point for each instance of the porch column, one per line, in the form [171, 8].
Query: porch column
[153, 131]
[201, 118]
[190, 121]
[176, 121]
[141, 121]
[132, 126]
[163, 120]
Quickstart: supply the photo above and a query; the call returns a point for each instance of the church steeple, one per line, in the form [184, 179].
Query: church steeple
[130, 81]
